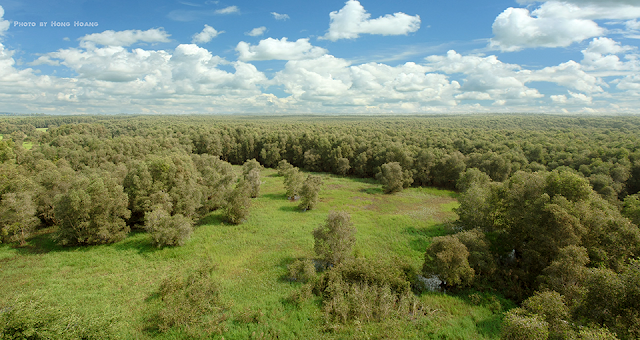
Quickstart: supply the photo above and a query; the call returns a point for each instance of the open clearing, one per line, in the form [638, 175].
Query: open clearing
[120, 281]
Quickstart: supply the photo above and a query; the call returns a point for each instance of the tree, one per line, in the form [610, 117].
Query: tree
[309, 192]
[293, 180]
[631, 208]
[334, 239]
[251, 172]
[393, 178]
[17, 217]
[342, 166]
[238, 203]
[470, 177]
[167, 230]
[283, 167]
[448, 258]
[93, 211]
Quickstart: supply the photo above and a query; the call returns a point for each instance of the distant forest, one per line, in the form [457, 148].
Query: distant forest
[549, 205]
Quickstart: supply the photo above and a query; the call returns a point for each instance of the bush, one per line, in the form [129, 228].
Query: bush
[448, 258]
[334, 239]
[236, 209]
[367, 291]
[192, 303]
[167, 230]
[518, 326]
[17, 217]
[93, 211]
[30, 318]
[302, 271]
[393, 178]
[283, 167]
[309, 192]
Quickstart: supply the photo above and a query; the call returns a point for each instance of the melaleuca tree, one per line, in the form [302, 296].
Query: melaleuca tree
[448, 258]
[217, 178]
[470, 177]
[334, 239]
[283, 167]
[631, 208]
[251, 173]
[238, 203]
[17, 217]
[92, 211]
[342, 166]
[309, 192]
[293, 180]
[167, 230]
[391, 177]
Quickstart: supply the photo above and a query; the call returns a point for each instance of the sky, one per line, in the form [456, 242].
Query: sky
[330, 56]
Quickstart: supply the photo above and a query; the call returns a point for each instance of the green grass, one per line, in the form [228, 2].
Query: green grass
[120, 280]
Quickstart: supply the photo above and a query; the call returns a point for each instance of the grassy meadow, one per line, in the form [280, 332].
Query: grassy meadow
[119, 282]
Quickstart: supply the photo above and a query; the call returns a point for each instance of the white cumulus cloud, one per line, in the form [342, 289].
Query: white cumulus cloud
[126, 38]
[4, 24]
[279, 16]
[207, 34]
[274, 49]
[353, 20]
[228, 10]
[517, 28]
[256, 32]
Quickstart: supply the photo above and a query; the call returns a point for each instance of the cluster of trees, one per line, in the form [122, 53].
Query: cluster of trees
[547, 239]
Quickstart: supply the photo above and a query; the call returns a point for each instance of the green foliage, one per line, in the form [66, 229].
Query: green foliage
[283, 167]
[302, 271]
[238, 203]
[550, 307]
[471, 177]
[309, 192]
[342, 166]
[358, 290]
[17, 217]
[293, 180]
[631, 208]
[167, 230]
[448, 258]
[392, 177]
[334, 239]
[31, 318]
[192, 303]
[93, 211]
[251, 172]
[519, 326]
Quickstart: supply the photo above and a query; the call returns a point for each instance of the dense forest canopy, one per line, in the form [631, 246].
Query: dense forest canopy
[549, 204]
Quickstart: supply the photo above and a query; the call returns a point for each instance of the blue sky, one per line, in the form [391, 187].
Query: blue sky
[404, 56]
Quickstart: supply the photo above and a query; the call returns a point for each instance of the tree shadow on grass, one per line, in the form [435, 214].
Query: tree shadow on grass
[421, 237]
[373, 191]
[290, 208]
[136, 242]
[491, 326]
[278, 197]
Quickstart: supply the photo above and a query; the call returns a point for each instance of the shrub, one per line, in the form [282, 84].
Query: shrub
[236, 209]
[167, 230]
[309, 192]
[302, 271]
[17, 217]
[334, 239]
[448, 258]
[93, 211]
[366, 291]
[31, 318]
[283, 167]
[518, 326]
[192, 303]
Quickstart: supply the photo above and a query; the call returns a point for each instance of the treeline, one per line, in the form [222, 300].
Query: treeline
[118, 169]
